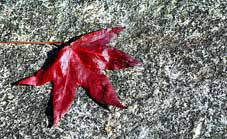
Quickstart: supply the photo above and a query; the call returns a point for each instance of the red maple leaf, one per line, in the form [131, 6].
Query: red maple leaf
[81, 63]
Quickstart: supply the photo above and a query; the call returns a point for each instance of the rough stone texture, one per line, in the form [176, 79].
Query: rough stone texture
[179, 92]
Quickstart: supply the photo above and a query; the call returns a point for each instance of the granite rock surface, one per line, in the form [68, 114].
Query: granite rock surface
[180, 92]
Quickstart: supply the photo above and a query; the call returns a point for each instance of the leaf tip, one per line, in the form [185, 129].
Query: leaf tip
[118, 29]
[121, 106]
[27, 81]
[137, 62]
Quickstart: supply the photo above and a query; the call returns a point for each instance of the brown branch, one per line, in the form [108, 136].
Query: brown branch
[39, 43]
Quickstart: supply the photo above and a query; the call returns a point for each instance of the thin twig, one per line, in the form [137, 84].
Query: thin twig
[41, 43]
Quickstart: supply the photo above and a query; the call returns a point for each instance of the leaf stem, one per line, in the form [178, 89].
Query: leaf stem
[41, 43]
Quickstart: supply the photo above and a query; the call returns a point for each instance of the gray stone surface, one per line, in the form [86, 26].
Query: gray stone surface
[179, 92]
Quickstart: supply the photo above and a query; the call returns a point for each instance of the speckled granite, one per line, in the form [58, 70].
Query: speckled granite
[179, 93]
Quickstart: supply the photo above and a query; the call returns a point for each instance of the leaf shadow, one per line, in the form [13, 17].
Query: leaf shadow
[49, 111]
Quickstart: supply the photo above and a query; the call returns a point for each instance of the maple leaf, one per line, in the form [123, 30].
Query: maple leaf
[81, 63]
